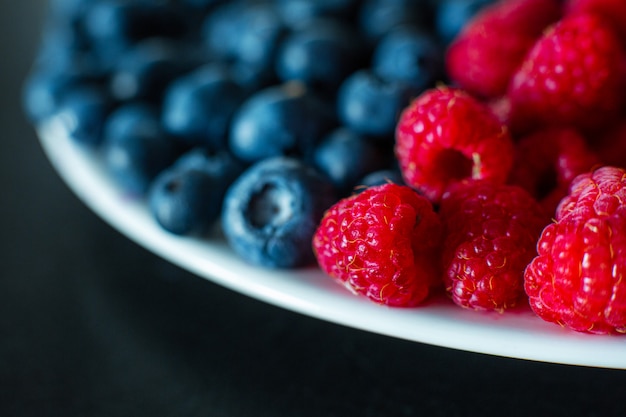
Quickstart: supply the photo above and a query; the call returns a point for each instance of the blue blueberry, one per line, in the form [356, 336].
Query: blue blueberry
[344, 157]
[136, 148]
[378, 17]
[43, 91]
[81, 112]
[380, 177]
[321, 54]
[187, 197]
[370, 105]
[247, 34]
[452, 15]
[297, 13]
[272, 210]
[198, 107]
[122, 23]
[144, 71]
[409, 55]
[281, 120]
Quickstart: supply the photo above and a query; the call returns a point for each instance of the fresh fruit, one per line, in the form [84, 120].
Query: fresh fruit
[548, 160]
[187, 197]
[577, 280]
[81, 113]
[272, 210]
[287, 119]
[612, 11]
[492, 46]
[411, 56]
[370, 105]
[574, 75]
[136, 148]
[320, 54]
[490, 235]
[198, 107]
[453, 15]
[345, 157]
[382, 243]
[446, 136]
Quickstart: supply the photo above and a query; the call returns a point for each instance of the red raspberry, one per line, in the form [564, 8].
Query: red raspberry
[548, 160]
[491, 232]
[613, 11]
[445, 136]
[491, 47]
[577, 279]
[574, 75]
[382, 243]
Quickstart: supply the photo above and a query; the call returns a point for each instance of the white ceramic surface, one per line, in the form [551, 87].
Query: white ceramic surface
[517, 334]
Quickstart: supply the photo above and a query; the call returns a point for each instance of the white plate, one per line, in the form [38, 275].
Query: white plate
[517, 334]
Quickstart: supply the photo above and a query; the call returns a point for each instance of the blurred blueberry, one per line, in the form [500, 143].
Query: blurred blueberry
[43, 91]
[272, 210]
[370, 105]
[136, 148]
[198, 107]
[127, 118]
[246, 33]
[281, 120]
[296, 13]
[409, 55]
[344, 157]
[380, 177]
[321, 54]
[118, 24]
[81, 112]
[378, 17]
[144, 71]
[453, 15]
[187, 197]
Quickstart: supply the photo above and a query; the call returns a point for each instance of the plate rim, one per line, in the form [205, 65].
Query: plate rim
[515, 334]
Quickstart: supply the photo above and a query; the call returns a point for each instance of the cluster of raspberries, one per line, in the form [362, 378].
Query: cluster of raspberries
[514, 182]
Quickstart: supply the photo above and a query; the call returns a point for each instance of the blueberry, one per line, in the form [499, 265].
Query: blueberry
[370, 105]
[321, 54]
[344, 157]
[81, 113]
[281, 120]
[197, 107]
[187, 197]
[136, 148]
[43, 92]
[144, 71]
[453, 15]
[381, 177]
[246, 33]
[378, 17]
[296, 13]
[409, 55]
[271, 212]
[122, 23]
[128, 118]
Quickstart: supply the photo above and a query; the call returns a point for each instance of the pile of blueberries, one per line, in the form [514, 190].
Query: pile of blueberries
[255, 115]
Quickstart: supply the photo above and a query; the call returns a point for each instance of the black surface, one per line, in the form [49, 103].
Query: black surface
[93, 325]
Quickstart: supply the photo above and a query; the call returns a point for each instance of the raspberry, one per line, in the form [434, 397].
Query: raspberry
[491, 231]
[493, 44]
[576, 280]
[613, 11]
[445, 136]
[382, 243]
[574, 75]
[548, 160]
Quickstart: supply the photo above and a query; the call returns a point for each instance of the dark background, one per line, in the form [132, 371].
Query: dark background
[93, 325]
